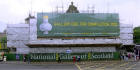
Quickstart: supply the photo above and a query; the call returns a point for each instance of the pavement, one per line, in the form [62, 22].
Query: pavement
[10, 65]
[84, 65]
[110, 65]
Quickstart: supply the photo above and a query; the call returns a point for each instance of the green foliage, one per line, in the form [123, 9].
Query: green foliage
[3, 43]
[137, 35]
[3, 40]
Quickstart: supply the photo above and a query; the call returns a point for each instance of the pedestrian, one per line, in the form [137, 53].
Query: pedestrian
[24, 58]
[135, 53]
[59, 60]
[121, 55]
[17, 57]
[5, 58]
[139, 54]
[135, 57]
[74, 59]
[29, 59]
[129, 55]
[78, 58]
[126, 57]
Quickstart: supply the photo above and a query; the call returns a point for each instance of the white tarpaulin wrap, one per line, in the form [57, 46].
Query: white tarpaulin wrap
[17, 44]
[126, 25]
[126, 36]
[33, 22]
[33, 29]
[127, 42]
[33, 37]
[18, 37]
[77, 41]
[126, 30]
[11, 43]
[23, 50]
[15, 31]
[73, 49]
[17, 25]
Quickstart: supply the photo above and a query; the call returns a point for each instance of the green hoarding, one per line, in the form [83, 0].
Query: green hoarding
[69, 56]
[78, 24]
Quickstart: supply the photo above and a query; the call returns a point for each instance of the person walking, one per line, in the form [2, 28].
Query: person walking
[135, 53]
[59, 60]
[17, 57]
[24, 58]
[78, 58]
[74, 59]
[122, 56]
[29, 59]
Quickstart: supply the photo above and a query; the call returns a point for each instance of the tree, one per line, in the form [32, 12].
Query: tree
[3, 42]
[137, 35]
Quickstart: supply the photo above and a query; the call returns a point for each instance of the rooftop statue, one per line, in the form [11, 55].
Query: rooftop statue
[72, 9]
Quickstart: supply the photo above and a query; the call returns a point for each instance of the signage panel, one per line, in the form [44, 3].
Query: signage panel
[77, 24]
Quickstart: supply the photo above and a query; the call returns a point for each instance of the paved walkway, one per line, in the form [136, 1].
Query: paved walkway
[110, 65]
[38, 67]
[84, 65]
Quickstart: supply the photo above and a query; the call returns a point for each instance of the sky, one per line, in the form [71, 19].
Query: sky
[15, 11]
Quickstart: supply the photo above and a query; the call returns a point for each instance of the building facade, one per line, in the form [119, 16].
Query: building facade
[60, 33]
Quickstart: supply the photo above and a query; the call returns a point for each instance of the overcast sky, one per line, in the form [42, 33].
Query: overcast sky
[15, 11]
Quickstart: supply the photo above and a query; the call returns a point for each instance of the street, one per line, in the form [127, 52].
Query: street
[93, 65]
[38, 67]
[109, 65]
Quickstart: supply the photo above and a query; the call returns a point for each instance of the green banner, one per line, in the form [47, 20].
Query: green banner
[69, 56]
[77, 24]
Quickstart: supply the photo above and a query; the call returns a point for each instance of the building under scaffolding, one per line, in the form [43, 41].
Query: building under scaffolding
[64, 35]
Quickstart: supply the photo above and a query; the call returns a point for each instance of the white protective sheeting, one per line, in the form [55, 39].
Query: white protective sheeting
[33, 22]
[23, 50]
[17, 44]
[18, 37]
[22, 44]
[126, 30]
[17, 25]
[126, 25]
[33, 31]
[126, 36]
[127, 42]
[11, 43]
[15, 31]
[73, 49]
[77, 41]
[33, 37]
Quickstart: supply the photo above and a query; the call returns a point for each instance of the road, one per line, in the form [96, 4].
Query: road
[38, 67]
[110, 65]
[93, 65]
